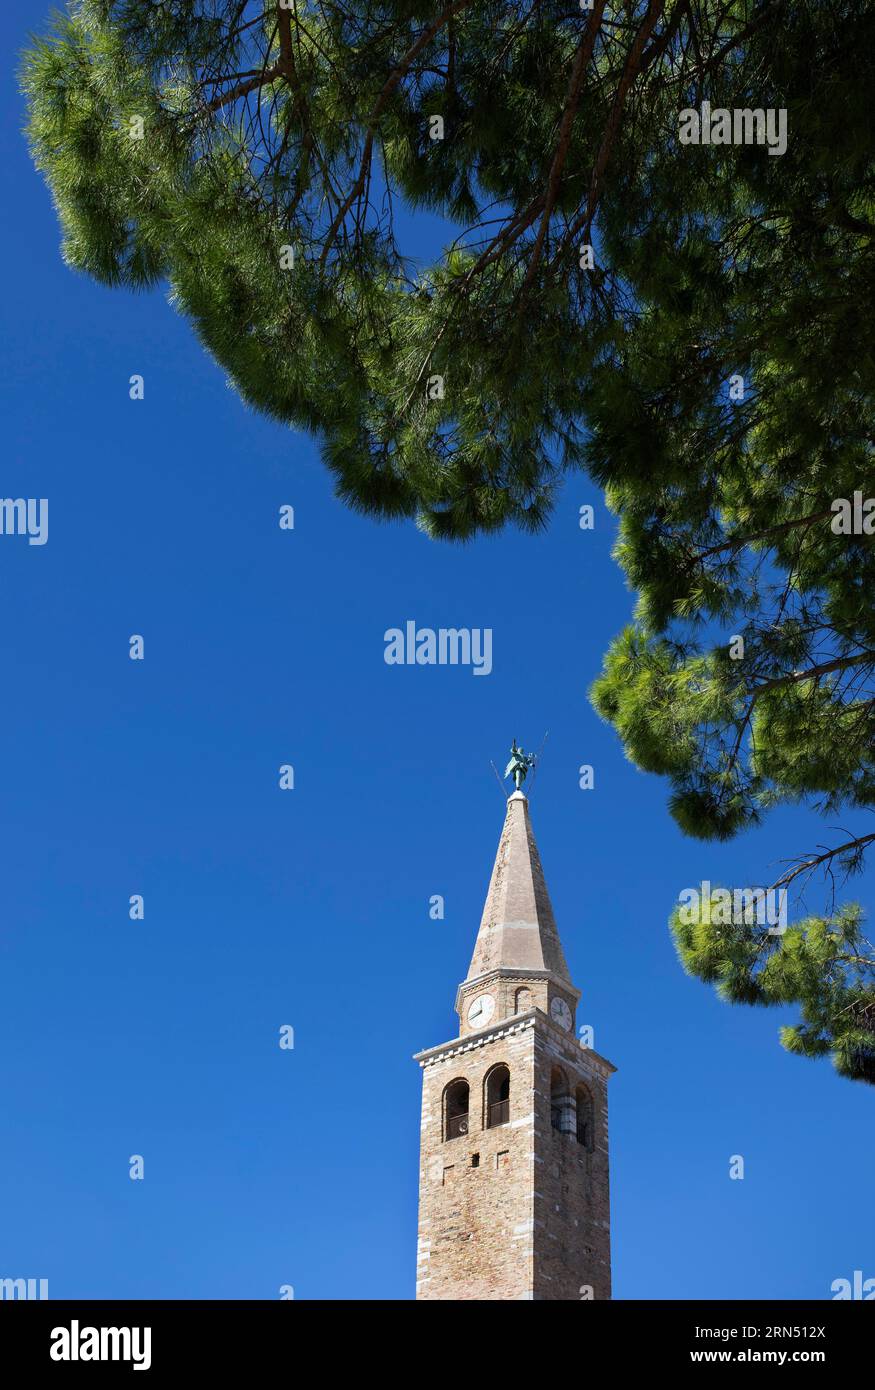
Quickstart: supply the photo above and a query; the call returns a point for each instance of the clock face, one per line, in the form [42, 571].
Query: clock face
[480, 1010]
[561, 1014]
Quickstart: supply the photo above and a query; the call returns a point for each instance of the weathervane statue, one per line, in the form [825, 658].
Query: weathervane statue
[519, 765]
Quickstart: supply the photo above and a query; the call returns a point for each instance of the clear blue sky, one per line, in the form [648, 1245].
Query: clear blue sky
[310, 907]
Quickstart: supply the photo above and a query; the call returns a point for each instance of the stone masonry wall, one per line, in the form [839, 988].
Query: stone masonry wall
[475, 1223]
[572, 1241]
[532, 1219]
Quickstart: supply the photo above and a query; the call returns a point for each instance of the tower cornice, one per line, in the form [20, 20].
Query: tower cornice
[506, 1028]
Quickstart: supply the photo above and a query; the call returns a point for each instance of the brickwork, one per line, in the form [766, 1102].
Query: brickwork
[475, 1223]
[514, 1196]
[517, 1210]
[572, 1208]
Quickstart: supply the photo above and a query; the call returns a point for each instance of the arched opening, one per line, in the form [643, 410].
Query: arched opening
[497, 1097]
[522, 1000]
[456, 1109]
[584, 1108]
[561, 1103]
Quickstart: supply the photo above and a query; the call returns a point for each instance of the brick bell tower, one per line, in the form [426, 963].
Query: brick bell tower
[513, 1183]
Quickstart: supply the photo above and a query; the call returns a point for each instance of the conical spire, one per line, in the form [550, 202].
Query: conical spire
[518, 929]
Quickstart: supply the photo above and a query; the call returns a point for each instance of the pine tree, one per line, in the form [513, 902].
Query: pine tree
[688, 322]
[253, 157]
[732, 429]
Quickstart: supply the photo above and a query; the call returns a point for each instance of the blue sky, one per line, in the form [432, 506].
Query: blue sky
[310, 907]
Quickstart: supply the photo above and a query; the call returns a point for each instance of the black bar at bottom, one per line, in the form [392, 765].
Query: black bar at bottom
[73, 1337]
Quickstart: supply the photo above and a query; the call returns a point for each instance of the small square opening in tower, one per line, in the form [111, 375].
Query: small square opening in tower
[475, 1160]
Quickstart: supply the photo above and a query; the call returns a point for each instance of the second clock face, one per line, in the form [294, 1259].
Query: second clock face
[480, 1010]
[560, 1013]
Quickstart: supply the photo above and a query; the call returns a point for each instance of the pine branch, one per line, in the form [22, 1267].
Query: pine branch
[808, 865]
[581, 62]
[263, 79]
[630, 72]
[389, 87]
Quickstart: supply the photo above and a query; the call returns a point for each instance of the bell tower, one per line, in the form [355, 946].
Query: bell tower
[513, 1182]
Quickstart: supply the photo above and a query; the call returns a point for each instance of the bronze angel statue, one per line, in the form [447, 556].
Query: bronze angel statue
[519, 765]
